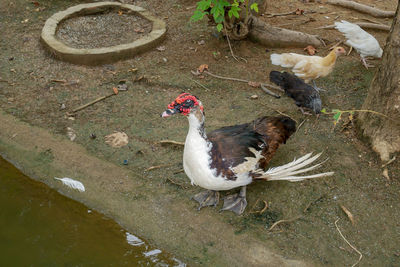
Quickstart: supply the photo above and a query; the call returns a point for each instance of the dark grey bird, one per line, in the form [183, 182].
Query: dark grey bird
[304, 95]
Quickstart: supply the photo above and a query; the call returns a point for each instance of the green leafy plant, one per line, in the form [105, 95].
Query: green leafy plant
[218, 9]
[337, 113]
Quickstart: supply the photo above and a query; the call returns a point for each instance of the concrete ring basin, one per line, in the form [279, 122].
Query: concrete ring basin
[96, 56]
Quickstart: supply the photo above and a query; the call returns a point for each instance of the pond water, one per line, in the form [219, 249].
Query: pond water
[40, 227]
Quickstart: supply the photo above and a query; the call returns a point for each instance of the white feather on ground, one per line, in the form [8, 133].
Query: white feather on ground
[74, 184]
[365, 44]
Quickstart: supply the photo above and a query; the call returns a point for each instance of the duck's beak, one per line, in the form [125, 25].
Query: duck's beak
[169, 112]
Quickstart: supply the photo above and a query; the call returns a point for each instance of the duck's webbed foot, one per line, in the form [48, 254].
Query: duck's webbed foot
[236, 202]
[207, 198]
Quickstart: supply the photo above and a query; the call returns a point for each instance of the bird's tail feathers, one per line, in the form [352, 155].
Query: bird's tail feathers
[287, 172]
[276, 59]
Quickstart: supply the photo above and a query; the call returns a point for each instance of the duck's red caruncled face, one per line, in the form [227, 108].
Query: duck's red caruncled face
[182, 104]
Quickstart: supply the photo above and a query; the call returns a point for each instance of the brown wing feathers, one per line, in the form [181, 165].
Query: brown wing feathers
[276, 131]
[230, 145]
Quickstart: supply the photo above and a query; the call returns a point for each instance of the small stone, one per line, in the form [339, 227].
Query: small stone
[164, 59]
[201, 42]
[254, 97]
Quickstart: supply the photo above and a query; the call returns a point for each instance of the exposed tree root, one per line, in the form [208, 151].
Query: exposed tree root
[270, 36]
[365, 25]
[363, 8]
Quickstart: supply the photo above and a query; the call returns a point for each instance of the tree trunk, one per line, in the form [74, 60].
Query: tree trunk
[384, 97]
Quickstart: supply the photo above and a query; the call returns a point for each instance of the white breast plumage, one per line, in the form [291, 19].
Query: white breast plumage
[197, 161]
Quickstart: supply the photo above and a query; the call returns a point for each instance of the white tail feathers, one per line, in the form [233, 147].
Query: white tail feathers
[288, 171]
[276, 59]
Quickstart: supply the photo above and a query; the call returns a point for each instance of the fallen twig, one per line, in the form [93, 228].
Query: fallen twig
[389, 162]
[267, 91]
[348, 243]
[281, 14]
[363, 8]
[263, 209]
[312, 202]
[335, 45]
[171, 142]
[262, 85]
[372, 21]
[58, 81]
[301, 124]
[284, 221]
[175, 183]
[284, 114]
[229, 43]
[199, 84]
[296, 23]
[91, 103]
[179, 171]
[157, 167]
[348, 213]
[365, 25]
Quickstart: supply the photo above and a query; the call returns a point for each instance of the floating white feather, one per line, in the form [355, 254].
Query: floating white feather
[74, 184]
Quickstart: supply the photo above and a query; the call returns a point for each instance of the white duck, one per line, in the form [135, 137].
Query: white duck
[365, 44]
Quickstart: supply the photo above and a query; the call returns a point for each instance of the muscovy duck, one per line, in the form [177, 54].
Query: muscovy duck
[235, 156]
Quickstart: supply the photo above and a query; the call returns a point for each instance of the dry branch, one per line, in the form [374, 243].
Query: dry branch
[284, 221]
[363, 8]
[171, 142]
[262, 85]
[365, 25]
[348, 213]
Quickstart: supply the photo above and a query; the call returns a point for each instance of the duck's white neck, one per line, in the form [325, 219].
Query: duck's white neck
[196, 124]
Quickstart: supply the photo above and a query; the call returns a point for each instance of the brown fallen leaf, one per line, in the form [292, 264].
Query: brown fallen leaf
[115, 89]
[348, 213]
[310, 50]
[254, 84]
[138, 30]
[299, 11]
[120, 12]
[202, 68]
[117, 139]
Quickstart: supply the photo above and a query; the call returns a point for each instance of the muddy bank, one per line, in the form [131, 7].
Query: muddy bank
[123, 196]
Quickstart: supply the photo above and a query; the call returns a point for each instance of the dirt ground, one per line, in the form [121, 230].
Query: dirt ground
[32, 89]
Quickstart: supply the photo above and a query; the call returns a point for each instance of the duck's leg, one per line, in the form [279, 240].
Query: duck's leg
[236, 202]
[207, 198]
